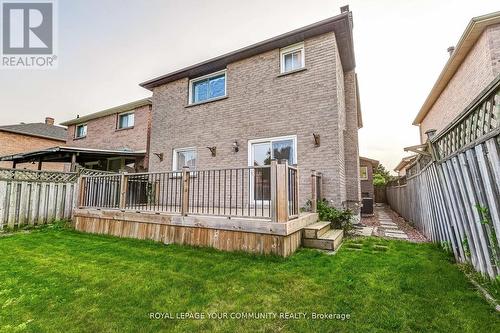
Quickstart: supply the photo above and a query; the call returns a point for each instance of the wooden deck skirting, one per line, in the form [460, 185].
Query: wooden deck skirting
[235, 234]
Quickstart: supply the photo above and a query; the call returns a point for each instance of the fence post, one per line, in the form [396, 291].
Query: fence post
[273, 181]
[81, 191]
[319, 185]
[297, 191]
[185, 191]
[282, 192]
[123, 190]
[314, 198]
[279, 192]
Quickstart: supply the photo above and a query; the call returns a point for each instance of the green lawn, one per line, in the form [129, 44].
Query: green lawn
[57, 280]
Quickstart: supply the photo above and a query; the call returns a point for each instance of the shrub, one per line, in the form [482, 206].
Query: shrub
[340, 219]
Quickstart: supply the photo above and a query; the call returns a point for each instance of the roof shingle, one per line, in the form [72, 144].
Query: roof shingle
[41, 130]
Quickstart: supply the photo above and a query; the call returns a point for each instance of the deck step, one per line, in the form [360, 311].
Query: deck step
[330, 240]
[315, 230]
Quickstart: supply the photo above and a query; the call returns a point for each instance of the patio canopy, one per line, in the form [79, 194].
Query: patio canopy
[73, 155]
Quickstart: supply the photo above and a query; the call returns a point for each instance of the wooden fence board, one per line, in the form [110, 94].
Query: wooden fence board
[30, 202]
[491, 191]
[446, 201]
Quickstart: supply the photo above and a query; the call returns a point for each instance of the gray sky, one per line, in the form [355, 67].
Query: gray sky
[107, 47]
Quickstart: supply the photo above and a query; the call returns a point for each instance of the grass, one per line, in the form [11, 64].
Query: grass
[57, 280]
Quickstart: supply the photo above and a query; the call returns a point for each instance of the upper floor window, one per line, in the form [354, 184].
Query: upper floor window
[292, 57]
[363, 173]
[126, 120]
[81, 131]
[184, 157]
[207, 87]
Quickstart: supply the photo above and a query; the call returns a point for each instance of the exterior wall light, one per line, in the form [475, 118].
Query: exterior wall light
[317, 141]
[213, 151]
[236, 146]
[160, 156]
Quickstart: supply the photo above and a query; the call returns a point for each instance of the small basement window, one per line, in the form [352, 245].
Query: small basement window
[292, 58]
[207, 87]
[126, 120]
[363, 173]
[80, 131]
[184, 157]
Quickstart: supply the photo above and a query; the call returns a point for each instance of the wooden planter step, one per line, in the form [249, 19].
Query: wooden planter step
[330, 240]
[315, 230]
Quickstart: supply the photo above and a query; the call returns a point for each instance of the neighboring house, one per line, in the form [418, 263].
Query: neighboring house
[473, 64]
[367, 167]
[404, 164]
[293, 97]
[23, 137]
[114, 139]
[122, 128]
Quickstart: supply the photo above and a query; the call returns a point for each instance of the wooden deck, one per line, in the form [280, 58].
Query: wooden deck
[254, 235]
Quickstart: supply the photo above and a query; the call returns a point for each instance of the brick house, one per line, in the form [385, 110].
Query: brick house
[114, 139]
[291, 97]
[367, 167]
[28, 137]
[473, 64]
[403, 165]
[121, 128]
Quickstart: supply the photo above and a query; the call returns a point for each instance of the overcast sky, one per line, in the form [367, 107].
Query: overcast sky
[107, 47]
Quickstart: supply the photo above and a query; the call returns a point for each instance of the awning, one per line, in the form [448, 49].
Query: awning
[68, 154]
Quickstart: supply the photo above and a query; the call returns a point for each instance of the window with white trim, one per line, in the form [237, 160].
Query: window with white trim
[262, 151]
[363, 173]
[126, 120]
[80, 131]
[207, 87]
[184, 157]
[292, 58]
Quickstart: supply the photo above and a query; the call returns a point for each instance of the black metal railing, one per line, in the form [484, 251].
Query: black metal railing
[293, 191]
[242, 192]
[257, 192]
[154, 191]
[101, 191]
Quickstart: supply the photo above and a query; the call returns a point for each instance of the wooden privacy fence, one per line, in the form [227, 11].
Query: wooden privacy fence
[270, 192]
[35, 197]
[30, 197]
[453, 197]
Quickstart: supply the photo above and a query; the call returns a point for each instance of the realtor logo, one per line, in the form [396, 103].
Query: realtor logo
[28, 34]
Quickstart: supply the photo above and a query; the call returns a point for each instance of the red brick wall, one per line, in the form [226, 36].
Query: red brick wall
[102, 133]
[12, 143]
[478, 69]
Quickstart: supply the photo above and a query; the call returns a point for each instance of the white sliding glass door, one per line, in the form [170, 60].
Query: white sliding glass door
[261, 152]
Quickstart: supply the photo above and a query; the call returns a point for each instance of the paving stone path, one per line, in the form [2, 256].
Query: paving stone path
[388, 227]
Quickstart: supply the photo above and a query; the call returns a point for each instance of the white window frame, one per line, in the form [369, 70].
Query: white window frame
[276, 138]
[201, 78]
[291, 49]
[363, 178]
[124, 114]
[76, 131]
[174, 156]
[251, 159]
